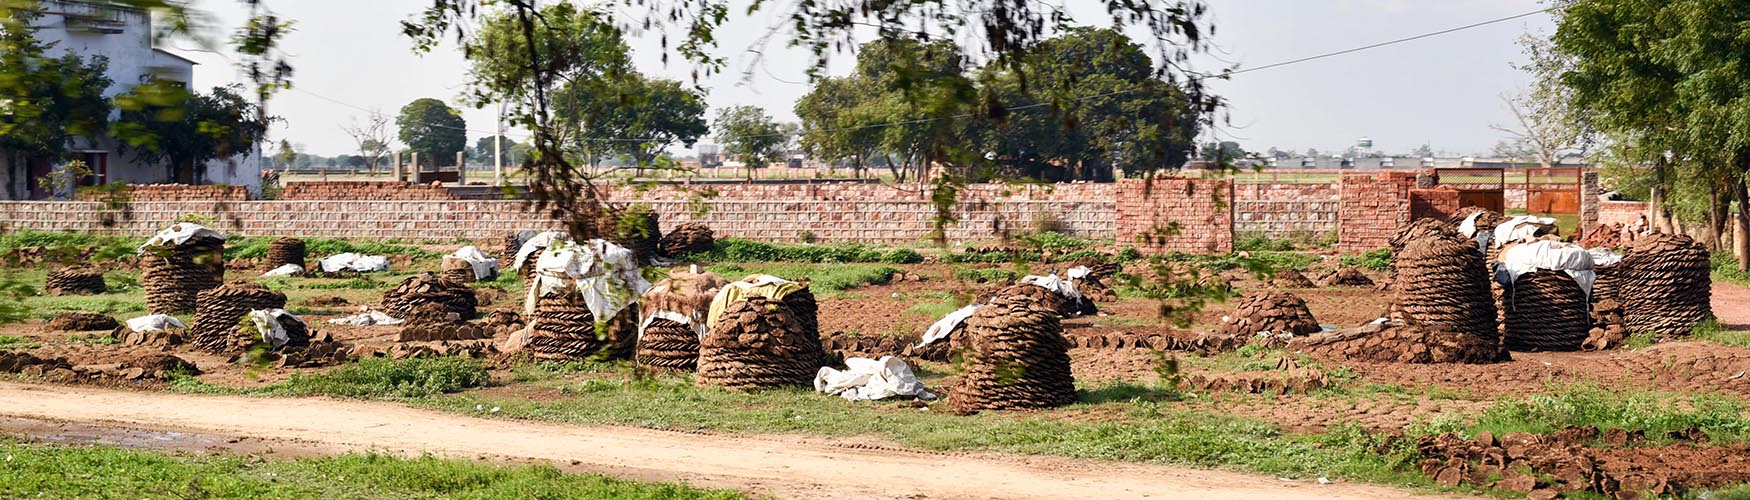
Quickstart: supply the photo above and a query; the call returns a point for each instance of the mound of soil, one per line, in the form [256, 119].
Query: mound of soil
[1289, 278]
[669, 344]
[327, 301]
[687, 239]
[1664, 286]
[1271, 318]
[1543, 465]
[155, 367]
[74, 281]
[1443, 284]
[24, 363]
[1399, 343]
[427, 288]
[173, 277]
[1546, 311]
[564, 330]
[1016, 358]
[83, 321]
[217, 322]
[1345, 276]
[760, 343]
[284, 251]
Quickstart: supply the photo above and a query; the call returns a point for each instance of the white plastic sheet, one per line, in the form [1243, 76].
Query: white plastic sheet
[865, 379]
[355, 262]
[1051, 282]
[485, 267]
[536, 244]
[946, 326]
[1519, 228]
[154, 323]
[270, 323]
[1549, 255]
[176, 234]
[606, 274]
[285, 270]
[1604, 257]
[1468, 228]
[367, 318]
[697, 326]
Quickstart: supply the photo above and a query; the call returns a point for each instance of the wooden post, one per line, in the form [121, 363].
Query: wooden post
[400, 175]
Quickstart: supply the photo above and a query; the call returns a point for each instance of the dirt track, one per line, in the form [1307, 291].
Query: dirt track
[788, 467]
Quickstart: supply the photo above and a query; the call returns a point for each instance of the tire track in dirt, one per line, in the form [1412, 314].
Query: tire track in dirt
[788, 468]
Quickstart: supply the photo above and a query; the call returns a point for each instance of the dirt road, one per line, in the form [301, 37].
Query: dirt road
[788, 467]
[1732, 305]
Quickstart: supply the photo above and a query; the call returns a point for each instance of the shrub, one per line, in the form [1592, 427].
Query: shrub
[1378, 259]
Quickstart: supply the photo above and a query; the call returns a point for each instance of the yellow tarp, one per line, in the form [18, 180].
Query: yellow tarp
[771, 287]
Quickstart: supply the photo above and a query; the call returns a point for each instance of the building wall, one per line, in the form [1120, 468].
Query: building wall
[1283, 210]
[1373, 206]
[1176, 214]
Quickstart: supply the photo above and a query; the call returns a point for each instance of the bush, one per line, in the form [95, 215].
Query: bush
[1378, 259]
[743, 250]
[380, 378]
[71, 244]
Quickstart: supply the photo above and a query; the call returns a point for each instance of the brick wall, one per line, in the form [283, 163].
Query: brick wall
[1201, 209]
[1626, 212]
[1438, 203]
[1373, 206]
[1588, 202]
[173, 192]
[1284, 210]
[363, 190]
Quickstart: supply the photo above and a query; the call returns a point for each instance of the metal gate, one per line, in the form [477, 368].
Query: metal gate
[1477, 187]
[1552, 190]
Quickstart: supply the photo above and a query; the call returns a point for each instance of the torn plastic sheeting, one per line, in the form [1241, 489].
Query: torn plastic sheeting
[1519, 228]
[176, 234]
[354, 262]
[865, 379]
[1051, 282]
[536, 244]
[485, 267]
[944, 327]
[1602, 257]
[270, 323]
[1468, 228]
[367, 318]
[1551, 255]
[154, 323]
[285, 270]
[606, 274]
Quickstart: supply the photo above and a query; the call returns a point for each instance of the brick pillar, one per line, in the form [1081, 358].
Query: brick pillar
[413, 168]
[1588, 202]
[461, 170]
[400, 175]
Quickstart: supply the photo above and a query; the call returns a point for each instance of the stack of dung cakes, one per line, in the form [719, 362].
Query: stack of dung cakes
[1272, 318]
[178, 264]
[1663, 284]
[763, 334]
[74, 281]
[1442, 283]
[674, 314]
[687, 239]
[1016, 358]
[1545, 305]
[583, 302]
[219, 317]
[285, 251]
[406, 298]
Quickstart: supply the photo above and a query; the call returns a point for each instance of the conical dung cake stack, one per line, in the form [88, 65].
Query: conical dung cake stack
[219, 317]
[285, 251]
[1665, 287]
[74, 281]
[563, 329]
[759, 343]
[1016, 358]
[687, 239]
[174, 276]
[1281, 314]
[1442, 284]
[404, 300]
[669, 344]
[1546, 311]
[637, 229]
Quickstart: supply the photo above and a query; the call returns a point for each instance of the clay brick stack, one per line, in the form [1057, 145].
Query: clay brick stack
[404, 300]
[1016, 358]
[219, 317]
[1665, 287]
[670, 344]
[687, 239]
[1270, 317]
[174, 276]
[284, 251]
[74, 281]
[760, 343]
[1546, 311]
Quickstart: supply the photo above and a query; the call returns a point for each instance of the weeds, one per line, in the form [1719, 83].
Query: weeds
[10, 342]
[1722, 418]
[740, 250]
[373, 378]
[1711, 330]
[1378, 259]
[824, 280]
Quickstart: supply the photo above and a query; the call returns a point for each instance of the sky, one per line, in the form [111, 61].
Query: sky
[350, 57]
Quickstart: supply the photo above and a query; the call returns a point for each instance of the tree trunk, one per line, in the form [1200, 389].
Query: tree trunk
[1717, 205]
[1741, 237]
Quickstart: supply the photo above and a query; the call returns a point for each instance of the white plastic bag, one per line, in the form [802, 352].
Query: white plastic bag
[945, 326]
[178, 233]
[485, 267]
[285, 270]
[865, 379]
[367, 318]
[154, 323]
[355, 262]
[270, 323]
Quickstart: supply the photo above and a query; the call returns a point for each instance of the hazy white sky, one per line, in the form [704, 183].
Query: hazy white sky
[1445, 91]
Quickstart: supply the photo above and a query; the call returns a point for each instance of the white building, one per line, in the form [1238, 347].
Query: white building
[124, 36]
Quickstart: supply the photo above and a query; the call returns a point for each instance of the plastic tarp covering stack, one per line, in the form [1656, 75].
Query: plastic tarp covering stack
[606, 274]
[353, 262]
[177, 234]
[944, 327]
[865, 379]
[285, 270]
[535, 244]
[485, 267]
[1548, 255]
[764, 285]
[1518, 228]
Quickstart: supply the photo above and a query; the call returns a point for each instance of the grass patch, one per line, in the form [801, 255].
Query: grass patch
[376, 378]
[256, 247]
[1262, 262]
[1378, 259]
[1725, 269]
[743, 250]
[1724, 419]
[824, 280]
[986, 275]
[102, 472]
[69, 245]
[936, 310]
[1711, 330]
[11, 342]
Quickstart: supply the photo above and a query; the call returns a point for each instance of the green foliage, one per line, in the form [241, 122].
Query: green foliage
[71, 245]
[825, 280]
[370, 378]
[1053, 241]
[44, 100]
[1378, 259]
[1300, 240]
[55, 471]
[1257, 263]
[743, 250]
[663, 112]
[11, 342]
[432, 129]
[13, 292]
[1711, 330]
[1725, 269]
[749, 134]
[1723, 418]
[986, 275]
[165, 124]
[346, 284]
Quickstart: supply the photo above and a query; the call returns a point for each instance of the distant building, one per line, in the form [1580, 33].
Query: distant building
[124, 36]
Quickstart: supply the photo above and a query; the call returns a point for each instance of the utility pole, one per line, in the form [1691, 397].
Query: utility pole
[461, 170]
[498, 147]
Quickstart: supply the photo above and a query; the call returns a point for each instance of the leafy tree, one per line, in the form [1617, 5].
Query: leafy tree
[184, 131]
[747, 133]
[1223, 151]
[1312, 153]
[433, 129]
[634, 116]
[1423, 151]
[45, 101]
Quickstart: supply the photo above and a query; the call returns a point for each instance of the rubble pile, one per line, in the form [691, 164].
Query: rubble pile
[83, 321]
[219, 317]
[1664, 285]
[1271, 318]
[74, 281]
[1016, 358]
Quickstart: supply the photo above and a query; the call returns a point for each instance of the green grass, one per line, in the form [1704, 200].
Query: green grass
[1712, 331]
[70, 245]
[826, 280]
[256, 247]
[1725, 419]
[11, 342]
[1378, 259]
[986, 275]
[372, 378]
[1725, 269]
[50, 471]
[742, 250]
